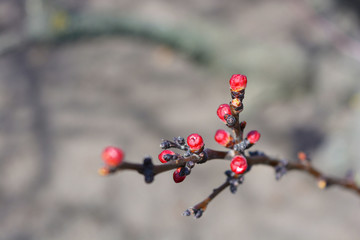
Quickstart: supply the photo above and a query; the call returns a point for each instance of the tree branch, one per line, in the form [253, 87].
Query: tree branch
[206, 155]
[200, 208]
[326, 181]
[239, 165]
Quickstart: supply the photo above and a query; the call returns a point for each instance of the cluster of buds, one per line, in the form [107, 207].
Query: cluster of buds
[194, 152]
[195, 145]
[229, 114]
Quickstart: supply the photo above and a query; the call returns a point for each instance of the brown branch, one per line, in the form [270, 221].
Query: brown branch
[280, 166]
[327, 180]
[199, 208]
[236, 106]
[209, 154]
[239, 146]
[305, 166]
[206, 155]
[238, 132]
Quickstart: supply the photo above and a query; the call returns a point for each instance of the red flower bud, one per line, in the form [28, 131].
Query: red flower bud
[165, 152]
[238, 82]
[195, 142]
[222, 137]
[222, 110]
[253, 136]
[176, 176]
[112, 156]
[238, 164]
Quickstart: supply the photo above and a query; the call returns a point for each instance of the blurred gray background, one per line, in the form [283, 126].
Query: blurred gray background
[78, 75]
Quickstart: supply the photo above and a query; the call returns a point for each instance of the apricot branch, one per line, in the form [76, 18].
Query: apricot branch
[241, 162]
[181, 161]
[199, 208]
[324, 181]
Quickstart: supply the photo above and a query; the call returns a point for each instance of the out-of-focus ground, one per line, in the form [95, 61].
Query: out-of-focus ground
[159, 69]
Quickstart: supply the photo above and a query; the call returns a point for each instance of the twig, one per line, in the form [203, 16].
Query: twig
[241, 162]
[206, 155]
[200, 208]
[329, 181]
[261, 159]
[210, 154]
[324, 180]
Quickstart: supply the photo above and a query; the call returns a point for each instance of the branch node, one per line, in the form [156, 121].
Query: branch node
[322, 183]
[165, 144]
[179, 140]
[190, 164]
[234, 180]
[240, 94]
[281, 169]
[304, 159]
[193, 211]
[204, 156]
[148, 170]
[242, 146]
[230, 120]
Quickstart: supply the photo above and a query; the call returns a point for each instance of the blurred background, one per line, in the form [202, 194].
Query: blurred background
[79, 75]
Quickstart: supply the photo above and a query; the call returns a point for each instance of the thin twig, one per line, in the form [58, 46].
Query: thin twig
[206, 155]
[330, 181]
[252, 160]
[199, 208]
